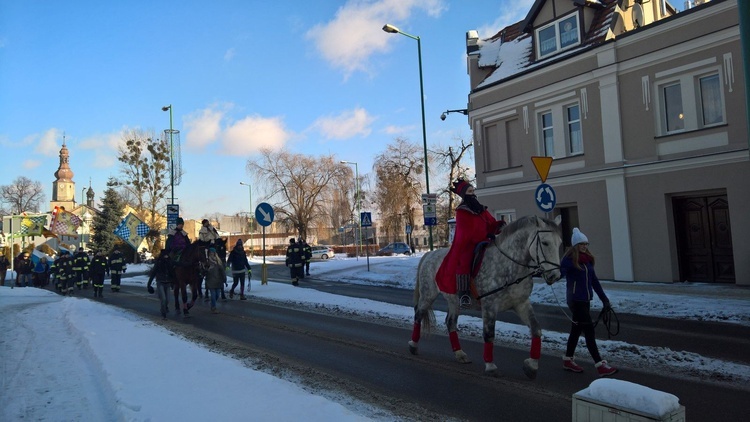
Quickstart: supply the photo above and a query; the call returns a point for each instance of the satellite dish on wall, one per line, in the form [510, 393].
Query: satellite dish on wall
[638, 18]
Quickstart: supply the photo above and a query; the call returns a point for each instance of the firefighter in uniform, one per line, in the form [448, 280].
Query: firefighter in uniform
[116, 269]
[99, 267]
[81, 269]
[65, 273]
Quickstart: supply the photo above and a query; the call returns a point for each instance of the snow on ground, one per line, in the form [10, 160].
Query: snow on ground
[72, 358]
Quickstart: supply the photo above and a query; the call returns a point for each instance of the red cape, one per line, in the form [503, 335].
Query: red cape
[470, 229]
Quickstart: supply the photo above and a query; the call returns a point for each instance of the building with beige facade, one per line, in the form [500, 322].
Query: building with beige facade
[643, 109]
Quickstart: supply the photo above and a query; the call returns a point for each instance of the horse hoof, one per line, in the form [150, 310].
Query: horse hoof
[413, 349]
[462, 357]
[490, 369]
[530, 367]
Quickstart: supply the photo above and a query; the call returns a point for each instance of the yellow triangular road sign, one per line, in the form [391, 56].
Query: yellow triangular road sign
[542, 165]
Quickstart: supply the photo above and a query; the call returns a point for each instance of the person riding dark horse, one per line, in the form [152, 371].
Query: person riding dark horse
[177, 240]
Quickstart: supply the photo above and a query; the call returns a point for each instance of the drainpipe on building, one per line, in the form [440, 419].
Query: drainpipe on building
[744, 10]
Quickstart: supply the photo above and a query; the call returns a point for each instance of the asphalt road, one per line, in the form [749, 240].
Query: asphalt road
[371, 361]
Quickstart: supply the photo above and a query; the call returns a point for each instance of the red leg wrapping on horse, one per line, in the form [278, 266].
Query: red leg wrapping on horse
[416, 331]
[453, 335]
[536, 347]
[488, 352]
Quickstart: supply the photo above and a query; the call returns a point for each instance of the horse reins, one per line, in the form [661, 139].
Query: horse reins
[607, 316]
[536, 270]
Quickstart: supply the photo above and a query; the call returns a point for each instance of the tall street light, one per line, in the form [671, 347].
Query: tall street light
[250, 188]
[393, 30]
[171, 150]
[359, 202]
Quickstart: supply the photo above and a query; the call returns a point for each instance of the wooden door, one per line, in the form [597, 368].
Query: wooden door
[704, 239]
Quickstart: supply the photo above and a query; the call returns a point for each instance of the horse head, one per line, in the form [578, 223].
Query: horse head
[544, 249]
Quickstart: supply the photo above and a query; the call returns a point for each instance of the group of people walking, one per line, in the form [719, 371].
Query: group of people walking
[67, 272]
[298, 256]
[215, 272]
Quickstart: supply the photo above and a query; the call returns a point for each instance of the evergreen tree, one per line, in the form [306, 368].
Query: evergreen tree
[107, 220]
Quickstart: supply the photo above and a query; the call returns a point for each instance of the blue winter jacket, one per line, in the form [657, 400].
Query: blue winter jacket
[581, 284]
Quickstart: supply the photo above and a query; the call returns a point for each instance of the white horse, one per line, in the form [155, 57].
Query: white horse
[529, 246]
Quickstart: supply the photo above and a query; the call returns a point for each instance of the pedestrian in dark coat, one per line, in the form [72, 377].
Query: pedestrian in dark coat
[161, 272]
[295, 259]
[577, 266]
[41, 273]
[308, 255]
[23, 267]
[98, 268]
[4, 264]
[215, 277]
[65, 273]
[238, 263]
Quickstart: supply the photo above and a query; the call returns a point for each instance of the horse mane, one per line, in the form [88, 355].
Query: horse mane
[525, 222]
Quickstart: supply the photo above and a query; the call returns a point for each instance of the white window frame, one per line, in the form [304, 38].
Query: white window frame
[558, 35]
[559, 128]
[692, 101]
[569, 132]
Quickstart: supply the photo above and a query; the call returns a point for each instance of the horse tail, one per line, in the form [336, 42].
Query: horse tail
[427, 316]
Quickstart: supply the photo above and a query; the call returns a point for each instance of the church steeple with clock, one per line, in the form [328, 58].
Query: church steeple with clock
[63, 188]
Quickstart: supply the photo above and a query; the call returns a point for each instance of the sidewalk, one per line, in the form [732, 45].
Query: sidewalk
[707, 290]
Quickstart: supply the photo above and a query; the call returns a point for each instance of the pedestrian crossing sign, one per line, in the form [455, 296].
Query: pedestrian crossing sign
[365, 219]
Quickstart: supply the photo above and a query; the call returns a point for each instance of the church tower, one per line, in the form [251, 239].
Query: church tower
[63, 188]
[90, 196]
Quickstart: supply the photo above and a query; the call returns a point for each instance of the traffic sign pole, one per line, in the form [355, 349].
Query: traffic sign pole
[264, 216]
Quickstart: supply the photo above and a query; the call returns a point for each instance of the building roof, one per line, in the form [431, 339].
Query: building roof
[511, 53]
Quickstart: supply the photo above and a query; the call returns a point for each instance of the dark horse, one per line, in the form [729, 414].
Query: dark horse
[187, 272]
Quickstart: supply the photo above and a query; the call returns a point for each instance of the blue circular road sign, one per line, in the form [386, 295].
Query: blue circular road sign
[545, 197]
[264, 214]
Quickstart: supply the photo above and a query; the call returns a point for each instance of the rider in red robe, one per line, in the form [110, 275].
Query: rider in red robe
[474, 224]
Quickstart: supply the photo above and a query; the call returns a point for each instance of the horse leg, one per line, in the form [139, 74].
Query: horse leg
[488, 334]
[176, 291]
[451, 321]
[425, 294]
[526, 313]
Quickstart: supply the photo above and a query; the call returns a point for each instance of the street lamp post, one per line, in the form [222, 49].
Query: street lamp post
[359, 202]
[171, 150]
[250, 189]
[393, 30]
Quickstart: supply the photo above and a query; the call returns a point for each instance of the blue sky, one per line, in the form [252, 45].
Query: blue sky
[315, 77]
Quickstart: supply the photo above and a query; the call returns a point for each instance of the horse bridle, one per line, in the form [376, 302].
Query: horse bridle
[536, 270]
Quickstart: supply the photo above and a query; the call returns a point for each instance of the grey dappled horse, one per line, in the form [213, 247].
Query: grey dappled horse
[529, 246]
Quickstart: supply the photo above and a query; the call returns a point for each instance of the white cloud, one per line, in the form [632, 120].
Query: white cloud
[47, 144]
[346, 125]
[229, 55]
[252, 133]
[31, 164]
[203, 127]
[355, 33]
[398, 130]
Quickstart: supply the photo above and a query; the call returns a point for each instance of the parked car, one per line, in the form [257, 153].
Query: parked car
[322, 252]
[395, 248]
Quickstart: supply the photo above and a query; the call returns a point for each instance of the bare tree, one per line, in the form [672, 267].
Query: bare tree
[23, 195]
[144, 169]
[450, 158]
[298, 185]
[399, 185]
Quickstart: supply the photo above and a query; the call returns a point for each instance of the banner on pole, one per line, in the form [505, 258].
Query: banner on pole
[132, 230]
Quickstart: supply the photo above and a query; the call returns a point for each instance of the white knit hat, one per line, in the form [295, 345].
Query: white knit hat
[578, 237]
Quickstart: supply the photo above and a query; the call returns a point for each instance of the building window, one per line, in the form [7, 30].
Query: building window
[575, 140]
[690, 101]
[711, 105]
[675, 118]
[558, 36]
[560, 129]
[548, 138]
